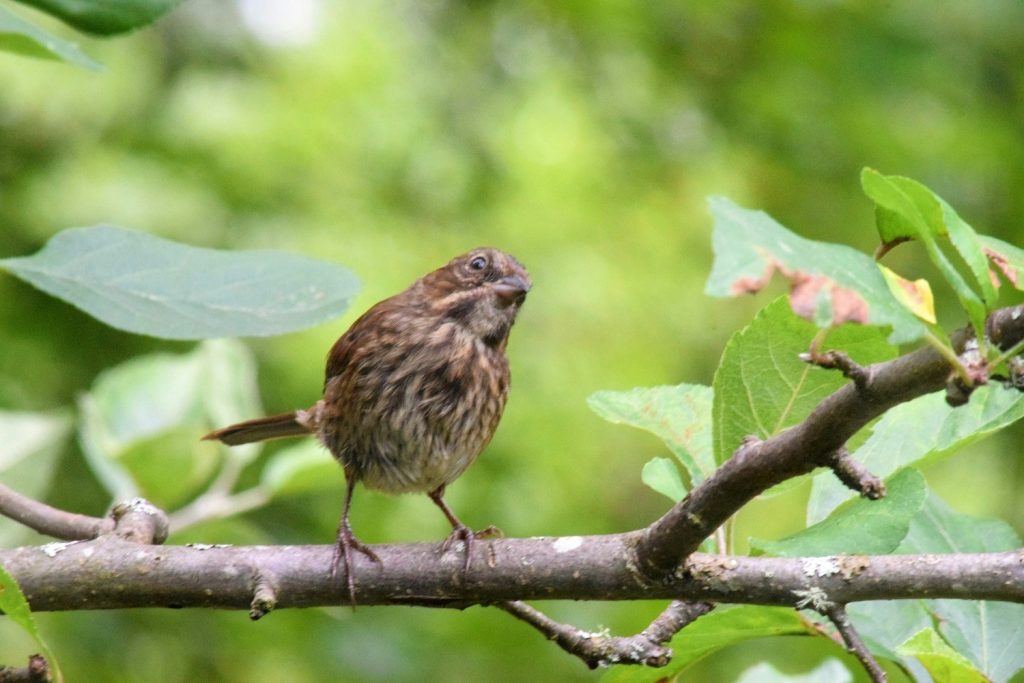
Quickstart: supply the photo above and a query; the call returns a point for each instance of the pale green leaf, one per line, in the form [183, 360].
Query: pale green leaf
[306, 466]
[938, 430]
[762, 387]
[721, 628]
[149, 285]
[884, 624]
[859, 527]
[24, 38]
[679, 415]
[989, 634]
[830, 283]
[829, 671]
[171, 466]
[144, 418]
[662, 475]
[942, 662]
[32, 446]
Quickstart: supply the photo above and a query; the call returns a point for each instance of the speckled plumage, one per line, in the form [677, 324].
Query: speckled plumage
[414, 390]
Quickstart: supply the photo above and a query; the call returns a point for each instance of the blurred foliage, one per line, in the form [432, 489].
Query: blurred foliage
[581, 136]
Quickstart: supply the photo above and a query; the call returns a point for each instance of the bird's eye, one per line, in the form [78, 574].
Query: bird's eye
[478, 263]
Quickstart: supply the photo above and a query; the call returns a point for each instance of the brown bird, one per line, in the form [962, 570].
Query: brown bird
[414, 389]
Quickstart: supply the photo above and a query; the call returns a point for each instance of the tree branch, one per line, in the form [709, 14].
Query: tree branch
[109, 573]
[119, 568]
[757, 466]
[50, 521]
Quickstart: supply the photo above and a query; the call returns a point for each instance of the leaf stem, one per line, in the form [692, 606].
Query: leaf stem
[950, 356]
[1009, 353]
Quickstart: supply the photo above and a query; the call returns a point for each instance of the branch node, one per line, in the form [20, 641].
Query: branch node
[974, 371]
[854, 644]
[839, 360]
[854, 474]
[37, 671]
[264, 595]
[139, 521]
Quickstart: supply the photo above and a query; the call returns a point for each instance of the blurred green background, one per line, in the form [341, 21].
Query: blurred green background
[582, 137]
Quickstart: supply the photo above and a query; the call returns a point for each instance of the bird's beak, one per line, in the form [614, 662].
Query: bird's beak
[511, 290]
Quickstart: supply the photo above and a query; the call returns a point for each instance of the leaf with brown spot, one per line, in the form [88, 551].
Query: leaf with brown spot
[831, 283]
[1008, 259]
[915, 295]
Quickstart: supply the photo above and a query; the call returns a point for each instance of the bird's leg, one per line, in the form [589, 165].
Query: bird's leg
[460, 532]
[347, 542]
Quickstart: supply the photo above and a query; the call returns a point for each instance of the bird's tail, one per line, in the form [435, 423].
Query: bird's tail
[262, 428]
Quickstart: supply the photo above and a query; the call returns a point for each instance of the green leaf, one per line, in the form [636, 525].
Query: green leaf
[830, 283]
[942, 662]
[884, 624]
[859, 527]
[229, 389]
[304, 467]
[762, 387]
[105, 17]
[144, 418]
[23, 38]
[830, 671]
[938, 430]
[148, 285]
[990, 634]
[15, 607]
[32, 446]
[662, 475]
[177, 450]
[679, 415]
[721, 628]
[908, 209]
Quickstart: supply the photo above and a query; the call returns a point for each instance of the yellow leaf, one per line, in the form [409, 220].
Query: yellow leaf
[916, 295]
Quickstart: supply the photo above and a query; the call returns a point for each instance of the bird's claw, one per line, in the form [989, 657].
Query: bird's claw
[468, 538]
[346, 543]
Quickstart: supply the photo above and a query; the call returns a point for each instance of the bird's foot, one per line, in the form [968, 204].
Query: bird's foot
[468, 537]
[346, 543]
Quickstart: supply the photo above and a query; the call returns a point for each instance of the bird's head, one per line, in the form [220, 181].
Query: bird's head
[480, 290]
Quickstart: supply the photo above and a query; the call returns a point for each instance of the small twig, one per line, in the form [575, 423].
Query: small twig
[854, 474]
[838, 360]
[854, 643]
[37, 671]
[227, 477]
[264, 595]
[677, 616]
[721, 540]
[602, 649]
[51, 521]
